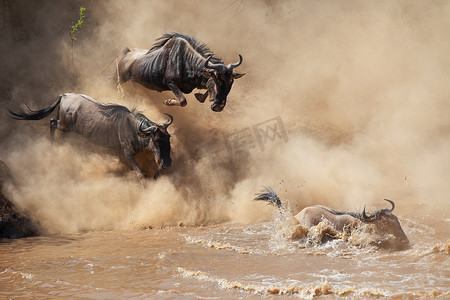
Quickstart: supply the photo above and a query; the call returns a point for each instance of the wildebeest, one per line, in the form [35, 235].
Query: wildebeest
[112, 126]
[180, 63]
[382, 221]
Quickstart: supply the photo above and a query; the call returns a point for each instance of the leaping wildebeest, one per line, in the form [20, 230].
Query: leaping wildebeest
[112, 126]
[384, 224]
[180, 63]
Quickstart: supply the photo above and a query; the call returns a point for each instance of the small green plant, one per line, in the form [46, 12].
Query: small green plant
[73, 31]
[80, 23]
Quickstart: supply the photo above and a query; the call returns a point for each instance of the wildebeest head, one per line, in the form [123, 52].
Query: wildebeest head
[159, 142]
[223, 77]
[386, 224]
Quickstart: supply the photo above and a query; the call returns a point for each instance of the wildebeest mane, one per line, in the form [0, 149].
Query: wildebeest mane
[373, 216]
[340, 213]
[114, 110]
[200, 47]
[118, 113]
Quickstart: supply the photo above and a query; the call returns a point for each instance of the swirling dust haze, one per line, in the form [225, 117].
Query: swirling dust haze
[361, 89]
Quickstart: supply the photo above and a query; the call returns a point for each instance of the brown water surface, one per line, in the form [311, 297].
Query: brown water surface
[222, 261]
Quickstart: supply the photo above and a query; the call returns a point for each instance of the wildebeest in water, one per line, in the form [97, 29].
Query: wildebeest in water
[384, 224]
[180, 63]
[112, 126]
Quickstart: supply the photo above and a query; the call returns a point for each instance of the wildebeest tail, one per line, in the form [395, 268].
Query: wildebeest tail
[270, 196]
[34, 115]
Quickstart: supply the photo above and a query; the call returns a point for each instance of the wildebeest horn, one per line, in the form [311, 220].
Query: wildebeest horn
[165, 125]
[392, 204]
[364, 216]
[218, 67]
[148, 129]
[232, 66]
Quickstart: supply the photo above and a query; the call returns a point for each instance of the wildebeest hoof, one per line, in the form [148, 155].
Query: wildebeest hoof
[171, 102]
[200, 97]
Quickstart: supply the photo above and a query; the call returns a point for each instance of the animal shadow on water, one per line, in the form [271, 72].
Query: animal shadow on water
[126, 132]
[319, 224]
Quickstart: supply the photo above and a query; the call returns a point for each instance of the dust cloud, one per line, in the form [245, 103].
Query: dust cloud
[359, 88]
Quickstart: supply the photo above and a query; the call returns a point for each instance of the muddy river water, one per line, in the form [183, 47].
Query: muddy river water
[225, 261]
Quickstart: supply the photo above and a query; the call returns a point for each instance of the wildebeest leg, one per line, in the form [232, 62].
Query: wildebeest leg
[156, 171]
[53, 126]
[174, 102]
[56, 124]
[133, 164]
[201, 97]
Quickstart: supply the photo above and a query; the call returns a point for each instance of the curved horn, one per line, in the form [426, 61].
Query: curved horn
[165, 125]
[392, 204]
[232, 66]
[147, 129]
[218, 67]
[364, 216]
